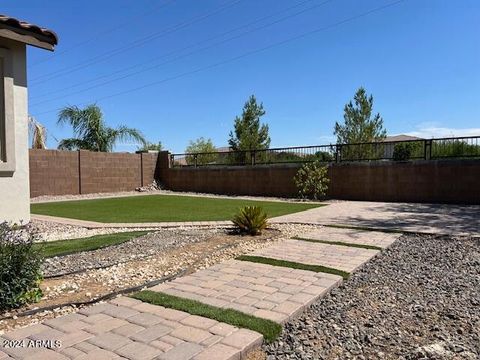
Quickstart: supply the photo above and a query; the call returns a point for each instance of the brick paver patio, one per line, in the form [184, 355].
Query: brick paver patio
[353, 236]
[336, 256]
[270, 292]
[126, 328]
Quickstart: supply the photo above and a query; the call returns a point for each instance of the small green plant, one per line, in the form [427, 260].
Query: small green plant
[402, 152]
[251, 220]
[20, 267]
[312, 181]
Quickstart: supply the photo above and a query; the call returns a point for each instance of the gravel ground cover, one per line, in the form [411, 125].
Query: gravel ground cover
[420, 299]
[138, 248]
[51, 231]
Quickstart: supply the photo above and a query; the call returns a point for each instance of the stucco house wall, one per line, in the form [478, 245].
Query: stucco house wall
[14, 185]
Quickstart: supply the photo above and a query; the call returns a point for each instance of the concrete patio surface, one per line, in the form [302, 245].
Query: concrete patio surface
[425, 218]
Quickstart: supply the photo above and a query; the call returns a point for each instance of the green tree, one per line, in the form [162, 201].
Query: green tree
[202, 146]
[248, 133]
[360, 126]
[91, 132]
[151, 146]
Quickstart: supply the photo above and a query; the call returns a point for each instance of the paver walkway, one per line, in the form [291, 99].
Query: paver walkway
[353, 236]
[428, 218]
[126, 328]
[270, 292]
[335, 256]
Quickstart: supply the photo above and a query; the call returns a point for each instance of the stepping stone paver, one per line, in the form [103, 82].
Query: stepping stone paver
[270, 292]
[141, 331]
[353, 236]
[335, 256]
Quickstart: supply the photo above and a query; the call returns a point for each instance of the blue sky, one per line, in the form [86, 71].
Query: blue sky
[181, 69]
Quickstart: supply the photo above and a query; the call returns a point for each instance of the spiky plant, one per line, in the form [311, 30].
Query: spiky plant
[251, 220]
[91, 132]
[38, 133]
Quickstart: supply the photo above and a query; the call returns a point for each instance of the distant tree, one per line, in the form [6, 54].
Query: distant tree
[91, 132]
[38, 133]
[248, 133]
[201, 145]
[360, 126]
[148, 146]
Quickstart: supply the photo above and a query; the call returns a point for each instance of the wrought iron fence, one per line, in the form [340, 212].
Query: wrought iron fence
[459, 147]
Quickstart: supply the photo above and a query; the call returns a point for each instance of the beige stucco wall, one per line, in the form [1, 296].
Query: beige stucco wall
[14, 188]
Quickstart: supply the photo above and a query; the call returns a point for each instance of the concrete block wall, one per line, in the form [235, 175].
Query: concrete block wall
[437, 181]
[54, 172]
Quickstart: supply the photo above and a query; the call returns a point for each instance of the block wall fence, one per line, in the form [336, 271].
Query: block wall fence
[55, 172]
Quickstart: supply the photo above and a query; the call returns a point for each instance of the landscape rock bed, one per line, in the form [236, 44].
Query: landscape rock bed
[141, 247]
[420, 299]
[51, 231]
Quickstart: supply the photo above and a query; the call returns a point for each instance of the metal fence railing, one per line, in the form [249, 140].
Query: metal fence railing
[458, 147]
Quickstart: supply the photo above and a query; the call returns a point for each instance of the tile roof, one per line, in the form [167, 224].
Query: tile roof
[23, 27]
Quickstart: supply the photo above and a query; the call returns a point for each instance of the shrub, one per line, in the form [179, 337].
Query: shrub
[312, 181]
[20, 267]
[402, 152]
[251, 220]
[408, 150]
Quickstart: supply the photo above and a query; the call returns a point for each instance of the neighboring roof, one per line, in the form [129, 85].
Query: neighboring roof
[223, 149]
[45, 38]
[401, 137]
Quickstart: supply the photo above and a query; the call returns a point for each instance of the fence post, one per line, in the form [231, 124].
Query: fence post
[195, 160]
[338, 149]
[252, 155]
[427, 149]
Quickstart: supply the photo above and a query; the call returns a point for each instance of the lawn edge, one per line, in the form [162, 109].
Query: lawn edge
[36, 209]
[341, 243]
[294, 265]
[138, 234]
[268, 328]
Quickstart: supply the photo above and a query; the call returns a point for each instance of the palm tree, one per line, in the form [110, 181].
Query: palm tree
[91, 132]
[38, 133]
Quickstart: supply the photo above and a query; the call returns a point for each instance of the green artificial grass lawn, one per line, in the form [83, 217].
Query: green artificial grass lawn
[159, 208]
[65, 247]
[269, 329]
[362, 246]
[293, 265]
